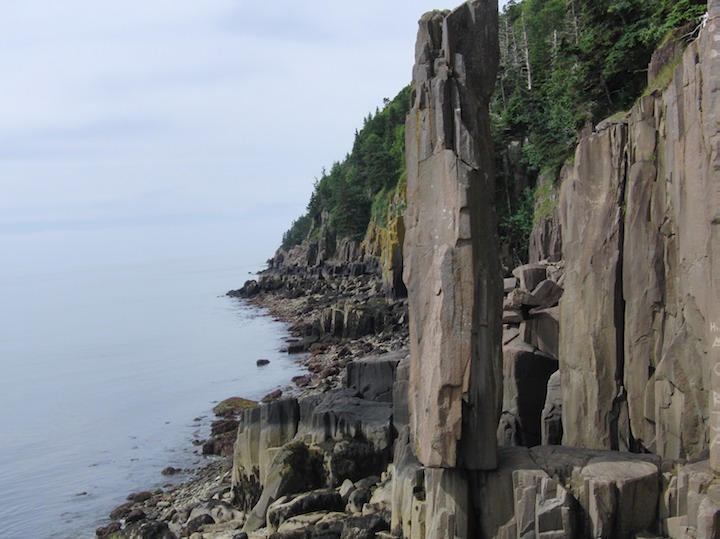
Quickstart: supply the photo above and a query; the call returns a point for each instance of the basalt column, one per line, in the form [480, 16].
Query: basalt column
[711, 98]
[451, 268]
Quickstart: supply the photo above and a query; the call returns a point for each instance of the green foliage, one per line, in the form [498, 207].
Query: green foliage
[297, 232]
[545, 198]
[566, 64]
[347, 193]
[663, 79]
[515, 227]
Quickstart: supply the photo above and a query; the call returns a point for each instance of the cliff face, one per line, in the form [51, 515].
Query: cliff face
[639, 205]
[639, 332]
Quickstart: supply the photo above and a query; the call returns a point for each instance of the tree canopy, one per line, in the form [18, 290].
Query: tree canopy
[345, 194]
[567, 64]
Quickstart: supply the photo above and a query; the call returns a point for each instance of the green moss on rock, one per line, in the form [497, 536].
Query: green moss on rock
[233, 405]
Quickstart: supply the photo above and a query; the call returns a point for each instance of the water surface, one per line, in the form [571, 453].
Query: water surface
[103, 372]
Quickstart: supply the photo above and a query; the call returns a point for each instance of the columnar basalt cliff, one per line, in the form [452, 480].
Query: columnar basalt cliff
[638, 207]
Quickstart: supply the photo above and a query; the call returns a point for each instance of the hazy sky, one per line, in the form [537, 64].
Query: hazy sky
[137, 130]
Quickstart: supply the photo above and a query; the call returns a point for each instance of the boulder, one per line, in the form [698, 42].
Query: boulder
[520, 298]
[315, 502]
[530, 275]
[542, 330]
[547, 293]
[294, 468]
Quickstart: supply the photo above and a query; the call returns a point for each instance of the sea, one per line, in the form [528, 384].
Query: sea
[108, 375]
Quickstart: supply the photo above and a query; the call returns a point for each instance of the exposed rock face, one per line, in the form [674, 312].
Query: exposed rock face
[590, 319]
[564, 492]
[638, 209]
[451, 265]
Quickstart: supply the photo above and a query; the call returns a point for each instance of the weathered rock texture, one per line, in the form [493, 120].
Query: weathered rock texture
[451, 265]
[295, 445]
[638, 207]
[564, 492]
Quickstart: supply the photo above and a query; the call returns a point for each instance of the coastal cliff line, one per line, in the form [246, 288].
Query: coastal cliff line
[572, 397]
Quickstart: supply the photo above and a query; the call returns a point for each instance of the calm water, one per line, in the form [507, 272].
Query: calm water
[102, 375]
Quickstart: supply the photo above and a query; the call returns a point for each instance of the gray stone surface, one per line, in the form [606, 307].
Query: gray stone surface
[551, 417]
[373, 376]
[451, 265]
[566, 493]
[638, 207]
[530, 275]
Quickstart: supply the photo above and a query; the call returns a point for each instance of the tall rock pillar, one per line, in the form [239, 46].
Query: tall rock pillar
[712, 129]
[451, 267]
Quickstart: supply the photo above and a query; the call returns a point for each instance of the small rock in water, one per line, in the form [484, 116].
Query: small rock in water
[261, 362]
[171, 471]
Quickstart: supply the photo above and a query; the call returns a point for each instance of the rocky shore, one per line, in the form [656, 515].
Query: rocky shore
[576, 396]
[335, 319]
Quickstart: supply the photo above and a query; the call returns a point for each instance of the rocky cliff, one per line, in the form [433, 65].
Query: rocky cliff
[638, 211]
[615, 383]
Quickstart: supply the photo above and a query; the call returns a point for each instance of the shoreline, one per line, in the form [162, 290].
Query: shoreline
[203, 503]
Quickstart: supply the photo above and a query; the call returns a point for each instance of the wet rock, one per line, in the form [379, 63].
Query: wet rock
[121, 511]
[262, 362]
[233, 406]
[108, 530]
[135, 515]
[150, 530]
[139, 497]
[272, 396]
